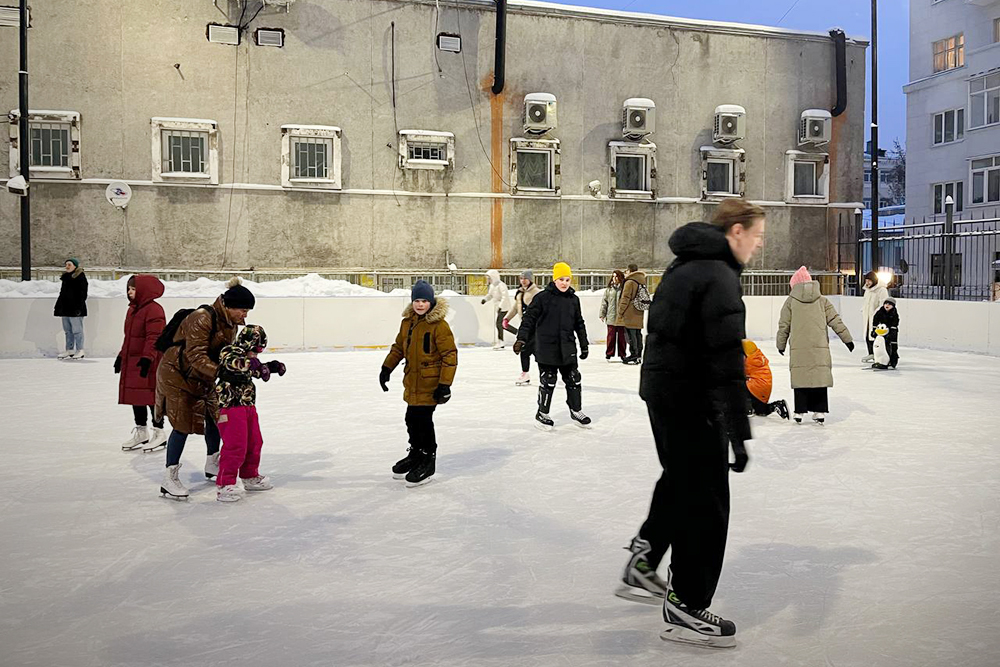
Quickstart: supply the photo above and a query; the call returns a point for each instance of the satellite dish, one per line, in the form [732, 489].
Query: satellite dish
[904, 266]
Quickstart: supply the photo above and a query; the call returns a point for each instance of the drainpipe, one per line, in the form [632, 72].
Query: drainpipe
[840, 43]
[500, 47]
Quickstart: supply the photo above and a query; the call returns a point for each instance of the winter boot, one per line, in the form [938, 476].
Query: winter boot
[819, 418]
[77, 355]
[523, 379]
[65, 355]
[157, 440]
[695, 626]
[404, 465]
[781, 407]
[258, 483]
[423, 469]
[228, 494]
[139, 438]
[171, 486]
[640, 583]
[212, 465]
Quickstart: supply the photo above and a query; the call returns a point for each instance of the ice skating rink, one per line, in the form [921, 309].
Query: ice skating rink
[872, 541]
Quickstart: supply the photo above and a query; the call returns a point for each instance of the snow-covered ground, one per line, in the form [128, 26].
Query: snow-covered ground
[872, 541]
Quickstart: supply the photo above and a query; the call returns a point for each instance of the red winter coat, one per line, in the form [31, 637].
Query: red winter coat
[143, 324]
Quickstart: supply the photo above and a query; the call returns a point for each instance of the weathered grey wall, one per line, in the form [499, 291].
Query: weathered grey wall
[336, 70]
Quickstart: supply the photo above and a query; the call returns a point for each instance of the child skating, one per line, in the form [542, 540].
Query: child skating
[552, 322]
[887, 317]
[522, 299]
[426, 344]
[760, 383]
[238, 423]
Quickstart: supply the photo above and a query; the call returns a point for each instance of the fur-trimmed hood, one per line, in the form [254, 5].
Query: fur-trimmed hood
[435, 314]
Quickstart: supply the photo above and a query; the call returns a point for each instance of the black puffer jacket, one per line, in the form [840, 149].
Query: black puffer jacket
[694, 350]
[889, 318]
[552, 321]
[72, 301]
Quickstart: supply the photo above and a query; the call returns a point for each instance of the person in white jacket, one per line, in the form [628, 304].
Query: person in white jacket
[500, 295]
[875, 295]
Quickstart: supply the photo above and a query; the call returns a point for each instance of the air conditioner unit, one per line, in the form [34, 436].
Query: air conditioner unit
[269, 37]
[730, 124]
[539, 113]
[815, 127]
[223, 34]
[638, 118]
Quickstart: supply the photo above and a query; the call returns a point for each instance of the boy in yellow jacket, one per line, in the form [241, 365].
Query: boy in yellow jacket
[427, 345]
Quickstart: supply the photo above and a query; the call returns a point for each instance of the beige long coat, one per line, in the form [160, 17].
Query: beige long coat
[805, 317]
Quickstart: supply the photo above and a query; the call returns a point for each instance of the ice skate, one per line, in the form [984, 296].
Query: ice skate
[228, 494]
[212, 465]
[157, 440]
[631, 361]
[404, 465]
[868, 358]
[522, 380]
[880, 367]
[799, 416]
[171, 486]
[580, 419]
[65, 355]
[139, 437]
[258, 483]
[79, 354]
[423, 469]
[782, 408]
[498, 346]
[819, 418]
[699, 627]
[543, 422]
[639, 582]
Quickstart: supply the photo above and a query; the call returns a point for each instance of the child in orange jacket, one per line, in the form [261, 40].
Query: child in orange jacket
[759, 383]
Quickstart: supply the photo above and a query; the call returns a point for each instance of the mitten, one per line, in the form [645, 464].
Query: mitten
[781, 352]
[118, 365]
[740, 454]
[584, 351]
[850, 347]
[276, 367]
[144, 365]
[383, 378]
[506, 323]
[517, 347]
[255, 366]
[442, 394]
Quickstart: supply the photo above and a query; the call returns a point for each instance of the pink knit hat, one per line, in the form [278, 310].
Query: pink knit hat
[801, 276]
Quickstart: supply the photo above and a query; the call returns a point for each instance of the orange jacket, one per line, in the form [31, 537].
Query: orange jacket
[758, 372]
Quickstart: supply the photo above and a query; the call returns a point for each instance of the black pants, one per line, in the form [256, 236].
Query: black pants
[813, 399]
[525, 359]
[177, 440]
[871, 345]
[689, 512]
[634, 343]
[759, 407]
[892, 347]
[547, 385]
[139, 412]
[420, 428]
[500, 327]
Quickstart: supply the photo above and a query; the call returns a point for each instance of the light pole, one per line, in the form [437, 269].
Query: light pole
[874, 149]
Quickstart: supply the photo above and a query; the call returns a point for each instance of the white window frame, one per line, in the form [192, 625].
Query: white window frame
[957, 126]
[737, 160]
[647, 151]
[958, 49]
[159, 125]
[44, 117]
[984, 102]
[329, 133]
[548, 146]
[943, 188]
[984, 172]
[822, 162]
[996, 31]
[445, 139]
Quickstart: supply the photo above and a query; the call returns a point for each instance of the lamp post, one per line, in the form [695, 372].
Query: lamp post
[949, 248]
[858, 217]
[874, 148]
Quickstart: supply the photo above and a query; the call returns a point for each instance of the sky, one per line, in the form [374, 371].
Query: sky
[854, 16]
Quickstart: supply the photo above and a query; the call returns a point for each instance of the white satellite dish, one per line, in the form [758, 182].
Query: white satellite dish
[118, 193]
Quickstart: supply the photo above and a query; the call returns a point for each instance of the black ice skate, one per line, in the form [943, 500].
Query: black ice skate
[580, 419]
[640, 583]
[404, 465]
[695, 626]
[422, 470]
[543, 421]
[782, 408]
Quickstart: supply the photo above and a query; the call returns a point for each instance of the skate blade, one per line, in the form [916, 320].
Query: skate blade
[543, 427]
[150, 450]
[686, 636]
[522, 384]
[413, 485]
[222, 499]
[399, 475]
[586, 426]
[636, 594]
[165, 494]
[133, 447]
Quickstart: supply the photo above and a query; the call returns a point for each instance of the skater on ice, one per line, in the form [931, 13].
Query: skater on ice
[185, 381]
[425, 342]
[498, 292]
[522, 299]
[71, 306]
[886, 332]
[239, 426]
[875, 295]
[609, 315]
[631, 311]
[693, 384]
[760, 383]
[138, 360]
[802, 326]
[555, 321]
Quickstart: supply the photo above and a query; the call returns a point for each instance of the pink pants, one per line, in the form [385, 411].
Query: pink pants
[241, 443]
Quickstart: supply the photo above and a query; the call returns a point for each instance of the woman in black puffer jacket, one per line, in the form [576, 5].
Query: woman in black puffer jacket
[71, 306]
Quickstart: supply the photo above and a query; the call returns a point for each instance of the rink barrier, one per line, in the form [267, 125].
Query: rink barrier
[28, 328]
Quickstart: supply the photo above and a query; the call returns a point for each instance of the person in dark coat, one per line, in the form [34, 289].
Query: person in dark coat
[139, 359]
[693, 383]
[552, 322]
[889, 316]
[71, 306]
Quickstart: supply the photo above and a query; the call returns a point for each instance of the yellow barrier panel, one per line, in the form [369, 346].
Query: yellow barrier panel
[476, 285]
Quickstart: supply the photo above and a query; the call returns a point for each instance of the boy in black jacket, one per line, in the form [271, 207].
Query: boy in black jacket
[889, 316]
[551, 322]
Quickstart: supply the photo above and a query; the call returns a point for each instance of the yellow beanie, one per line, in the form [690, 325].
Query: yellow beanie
[561, 270]
[749, 347]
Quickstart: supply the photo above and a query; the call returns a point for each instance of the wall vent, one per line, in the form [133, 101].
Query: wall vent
[270, 37]
[223, 34]
[449, 42]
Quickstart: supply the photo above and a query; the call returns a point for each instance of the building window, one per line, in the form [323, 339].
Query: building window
[723, 172]
[954, 190]
[185, 150]
[632, 169]
[985, 180]
[53, 144]
[719, 177]
[867, 203]
[807, 177]
[996, 31]
[310, 156]
[424, 149]
[868, 177]
[949, 126]
[938, 270]
[534, 166]
[949, 53]
[984, 100]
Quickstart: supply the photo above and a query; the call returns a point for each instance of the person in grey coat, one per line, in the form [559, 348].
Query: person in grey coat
[805, 316]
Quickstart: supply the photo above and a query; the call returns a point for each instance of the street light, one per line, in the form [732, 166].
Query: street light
[874, 148]
[19, 184]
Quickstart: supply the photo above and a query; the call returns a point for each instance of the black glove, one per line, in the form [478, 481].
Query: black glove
[518, 346]
[442, 394]
[584, 351]
[740, 454]
[144, 364]
[781, 352]
[850, 346]
[383, 377]
[483, 302]
[118, 365]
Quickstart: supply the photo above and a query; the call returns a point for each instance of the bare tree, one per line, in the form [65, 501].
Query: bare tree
[897, 174]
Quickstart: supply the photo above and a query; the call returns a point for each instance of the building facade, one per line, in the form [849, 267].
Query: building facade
[888, 196]
[371, 137]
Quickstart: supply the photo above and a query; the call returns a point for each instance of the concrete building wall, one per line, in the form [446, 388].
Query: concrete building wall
[116, 64]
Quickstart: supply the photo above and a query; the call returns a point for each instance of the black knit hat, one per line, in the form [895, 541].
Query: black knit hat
[423, 290]
[238, 296]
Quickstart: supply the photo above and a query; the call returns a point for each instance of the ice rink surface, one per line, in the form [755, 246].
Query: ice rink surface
[872, 541]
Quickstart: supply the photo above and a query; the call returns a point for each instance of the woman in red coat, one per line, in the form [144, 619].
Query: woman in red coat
[759, 382]
[138, 360]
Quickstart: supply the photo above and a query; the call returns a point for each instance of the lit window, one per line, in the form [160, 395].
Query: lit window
[534, 166]
[310, 156]
[949, 53]
[53, 144]
[984, 100]
[185, 150]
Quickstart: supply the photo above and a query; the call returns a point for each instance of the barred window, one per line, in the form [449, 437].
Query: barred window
[184, 151]
[312, 157]
[50, 144]
[420, 150]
